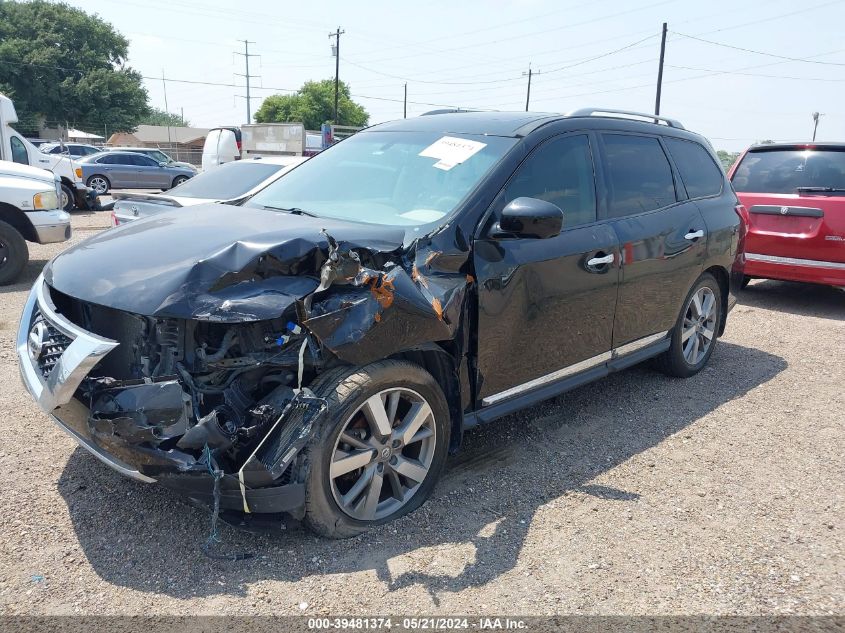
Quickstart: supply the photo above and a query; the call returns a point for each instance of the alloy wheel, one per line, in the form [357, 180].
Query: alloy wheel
[383, 454]
[99, 185]
[699, 325]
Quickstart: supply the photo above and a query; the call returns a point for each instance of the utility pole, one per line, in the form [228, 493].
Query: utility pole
[164, 85]
[246, 55]
[529, 74]
[660, 70]
[405, 104]
[336, 52]
[816, 116]
[182, 116]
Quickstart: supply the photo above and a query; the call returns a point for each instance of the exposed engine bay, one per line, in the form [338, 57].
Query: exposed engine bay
[229, 391]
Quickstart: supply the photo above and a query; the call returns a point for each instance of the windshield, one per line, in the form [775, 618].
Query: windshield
[784, 171]
[227, 181]
[392, 178]
[159, 156]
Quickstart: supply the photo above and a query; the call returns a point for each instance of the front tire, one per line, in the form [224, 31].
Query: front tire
[695, 333]
[67, 201]
[13, 254]
[100, 184]
[178, 181]
[379, 450]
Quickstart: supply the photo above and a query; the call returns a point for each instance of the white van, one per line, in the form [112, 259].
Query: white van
[15, 148]
[222, 145]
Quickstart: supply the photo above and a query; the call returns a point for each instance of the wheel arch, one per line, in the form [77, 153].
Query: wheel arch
[440, 364]
[16, 218]
[723, 279]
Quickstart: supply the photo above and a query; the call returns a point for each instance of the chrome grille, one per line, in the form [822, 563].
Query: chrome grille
[53, 345]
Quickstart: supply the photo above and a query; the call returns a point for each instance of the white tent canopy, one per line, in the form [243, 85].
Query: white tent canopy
[78, 135]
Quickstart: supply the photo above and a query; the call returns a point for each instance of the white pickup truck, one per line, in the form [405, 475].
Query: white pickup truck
[15, 148]
[29, 210]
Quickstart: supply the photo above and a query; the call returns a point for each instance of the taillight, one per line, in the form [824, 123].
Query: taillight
[744, 220]
[114, 220]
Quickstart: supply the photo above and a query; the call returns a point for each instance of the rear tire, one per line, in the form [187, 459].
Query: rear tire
[13, 254]
[332, 508]
[695, 333]
[68, 202]
[744, 283]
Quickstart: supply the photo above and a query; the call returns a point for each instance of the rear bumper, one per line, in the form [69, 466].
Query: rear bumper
[794, 269]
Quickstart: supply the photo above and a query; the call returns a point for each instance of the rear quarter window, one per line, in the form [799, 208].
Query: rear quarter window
[701, 176]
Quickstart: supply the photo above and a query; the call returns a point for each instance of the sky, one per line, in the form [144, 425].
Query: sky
[475, 55]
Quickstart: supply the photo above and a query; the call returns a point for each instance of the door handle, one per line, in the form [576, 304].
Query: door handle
[600, 261]
[694, 235]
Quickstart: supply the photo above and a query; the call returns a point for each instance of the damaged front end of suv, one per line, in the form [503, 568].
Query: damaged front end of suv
[176, 374]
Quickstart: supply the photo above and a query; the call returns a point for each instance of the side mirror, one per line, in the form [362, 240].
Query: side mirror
[530, 217]
[162, 164]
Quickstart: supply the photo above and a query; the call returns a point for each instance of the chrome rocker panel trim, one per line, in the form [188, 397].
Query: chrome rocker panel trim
[577, 368]
[793, 261]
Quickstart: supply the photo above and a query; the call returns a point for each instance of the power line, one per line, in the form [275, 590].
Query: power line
[733, 72]
[750, 50]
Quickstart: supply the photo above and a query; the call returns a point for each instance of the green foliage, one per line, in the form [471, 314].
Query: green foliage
[59, 64]
[160, 117]
[312, 106]
[727, 158]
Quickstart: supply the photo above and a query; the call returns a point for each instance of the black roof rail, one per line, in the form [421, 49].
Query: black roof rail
[625, 114]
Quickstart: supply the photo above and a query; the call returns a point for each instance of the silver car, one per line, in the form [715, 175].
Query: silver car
[156, 154]
[228, 183]
[128, 170]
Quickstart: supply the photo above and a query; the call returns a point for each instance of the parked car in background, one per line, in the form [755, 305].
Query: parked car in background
[157, 155]
[30, 211]
[230, 183]
[130, 170]
[222, 145]
[795, 197]
[38, 142]
[321, 353]
[74, 150]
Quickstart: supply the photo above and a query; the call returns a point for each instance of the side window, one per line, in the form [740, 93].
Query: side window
[19, 153]
[700, 174]
[110, 159]
[559, 171]
[146, 161]
[639, 177]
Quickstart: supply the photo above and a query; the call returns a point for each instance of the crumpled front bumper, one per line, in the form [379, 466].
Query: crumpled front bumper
[55, 356]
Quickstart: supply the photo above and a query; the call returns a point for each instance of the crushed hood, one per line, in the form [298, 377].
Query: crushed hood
[213, 262]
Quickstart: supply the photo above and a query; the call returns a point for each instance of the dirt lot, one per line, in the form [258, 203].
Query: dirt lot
[637, 495]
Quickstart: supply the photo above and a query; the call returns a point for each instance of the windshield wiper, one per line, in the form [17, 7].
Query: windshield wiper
[294, 210]
[817, 189]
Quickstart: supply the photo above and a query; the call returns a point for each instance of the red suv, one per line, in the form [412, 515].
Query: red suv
[795, 197]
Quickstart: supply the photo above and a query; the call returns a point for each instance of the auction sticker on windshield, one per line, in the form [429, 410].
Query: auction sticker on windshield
[451, 151]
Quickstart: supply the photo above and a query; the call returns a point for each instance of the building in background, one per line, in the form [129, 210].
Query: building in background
[180, 143]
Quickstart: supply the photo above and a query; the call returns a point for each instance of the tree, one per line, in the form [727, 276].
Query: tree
[312, 106]
[160, 117]
[727, 158]
[59, 64]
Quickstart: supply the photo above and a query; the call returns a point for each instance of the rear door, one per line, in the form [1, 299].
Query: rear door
[795, 197]
[546, 305]
[662, 234]
[113, 167]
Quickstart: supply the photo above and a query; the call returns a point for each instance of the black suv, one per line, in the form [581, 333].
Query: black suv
[319, 350]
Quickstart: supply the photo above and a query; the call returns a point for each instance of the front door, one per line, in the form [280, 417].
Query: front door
[546, 305]
[663, 236]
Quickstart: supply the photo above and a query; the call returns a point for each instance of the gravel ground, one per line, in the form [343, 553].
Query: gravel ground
[720, 494]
